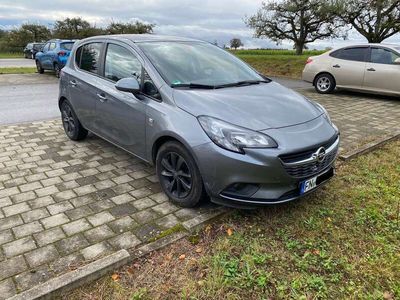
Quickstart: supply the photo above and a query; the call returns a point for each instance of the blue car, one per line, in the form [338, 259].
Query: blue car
[54, 56]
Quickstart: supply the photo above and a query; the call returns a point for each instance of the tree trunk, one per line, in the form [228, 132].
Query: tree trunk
[299, 48]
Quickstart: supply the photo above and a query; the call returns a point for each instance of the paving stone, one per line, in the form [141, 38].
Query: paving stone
[165, 208]
[65, 195]
[146, 232]
[35, 214]
[101, 218]
[125, 241]
[7, 289]
[22, 197]
[5, 202]
[41, 256]
[76, 227]
[122, 179]
[141, 193]
[98, 234]
[122, 188]
[6, 236]
[122, 210]
[83, 200]
[16, 209]
[123, 224]
[10, 222]
[41, 202]
[59, 207]
[144, 203]
[71, 244]
[121, 199]
[66, 263]
[86, 189]
[19, 246]
[27, 229]
[47, 191]
[54, 221]
[80, 212]
[51, 181]
[12, 266]
[32, 278]
[49, 236]
[145, 216]
[168, 221]
[31, 186]
[96, 250]
[101, 205]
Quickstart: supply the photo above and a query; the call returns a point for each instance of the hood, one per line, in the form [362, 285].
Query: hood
[257, 107]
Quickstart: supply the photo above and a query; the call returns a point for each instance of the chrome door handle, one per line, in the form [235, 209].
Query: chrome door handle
[371, 70]
[72, 82]
[336, 66]
[102, 97]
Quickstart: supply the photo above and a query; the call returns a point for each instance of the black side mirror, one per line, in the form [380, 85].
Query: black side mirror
[130, 85]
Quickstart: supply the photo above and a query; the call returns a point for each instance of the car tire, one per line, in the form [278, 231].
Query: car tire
[39, 67]
[72, 126]
[179, 175]
[57, 70]
[324, 83]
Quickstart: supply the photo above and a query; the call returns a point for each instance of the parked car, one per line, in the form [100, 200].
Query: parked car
[31, 49]
[371, 68]
[54, 56]
[209, 123]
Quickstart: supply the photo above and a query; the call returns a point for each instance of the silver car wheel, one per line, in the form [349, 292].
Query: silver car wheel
[323, 84]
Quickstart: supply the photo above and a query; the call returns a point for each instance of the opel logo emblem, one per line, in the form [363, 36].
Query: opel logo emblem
[319, 156]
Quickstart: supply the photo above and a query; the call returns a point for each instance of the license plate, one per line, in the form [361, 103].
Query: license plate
[308, 185]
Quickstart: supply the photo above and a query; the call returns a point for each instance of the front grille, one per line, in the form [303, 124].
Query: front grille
[311, 168]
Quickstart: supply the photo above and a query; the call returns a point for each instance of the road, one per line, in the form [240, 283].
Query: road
[16, 62]
[33, 97]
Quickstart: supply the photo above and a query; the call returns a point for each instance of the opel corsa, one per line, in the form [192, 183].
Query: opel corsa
[209, 122]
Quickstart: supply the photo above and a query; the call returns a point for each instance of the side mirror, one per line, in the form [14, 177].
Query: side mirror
[130, 85]
[397, 61]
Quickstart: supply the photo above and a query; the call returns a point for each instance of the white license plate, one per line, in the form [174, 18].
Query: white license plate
[308, 185]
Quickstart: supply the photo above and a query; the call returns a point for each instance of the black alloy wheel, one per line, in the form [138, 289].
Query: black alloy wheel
[71, 124]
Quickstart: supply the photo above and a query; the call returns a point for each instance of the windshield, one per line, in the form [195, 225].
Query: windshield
[67, 46]
[182, 63]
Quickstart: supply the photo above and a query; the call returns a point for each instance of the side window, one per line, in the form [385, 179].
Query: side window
[383, 56]
[78, 55]
[121, 63]
[336, 54]
[90, 57]
[52, 46]
[46, 47]
[355, 54]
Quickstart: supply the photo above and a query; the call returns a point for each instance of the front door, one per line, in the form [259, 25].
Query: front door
[120, 116]
[382, 74]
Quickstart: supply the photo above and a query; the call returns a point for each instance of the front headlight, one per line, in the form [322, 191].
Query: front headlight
[233, 137]
[325, 112]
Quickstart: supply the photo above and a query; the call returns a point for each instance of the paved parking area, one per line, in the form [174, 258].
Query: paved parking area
[64, 204]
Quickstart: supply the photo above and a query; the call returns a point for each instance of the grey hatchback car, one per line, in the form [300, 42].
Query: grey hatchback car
[210, 123]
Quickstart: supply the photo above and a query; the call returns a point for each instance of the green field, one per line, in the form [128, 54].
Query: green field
[11, 55]
[343, 242]
[17, 70]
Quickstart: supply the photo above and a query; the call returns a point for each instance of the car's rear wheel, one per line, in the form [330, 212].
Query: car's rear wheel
[39, 67]
[179, 175]
[324, 83]
[72, 126]
[57, 70]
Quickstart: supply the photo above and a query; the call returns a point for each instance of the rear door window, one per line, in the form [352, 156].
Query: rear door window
[354, 54]
[383, 56]
[46, 47]
[89, 57]
[66, 46]
[121, 63]
[52, 46]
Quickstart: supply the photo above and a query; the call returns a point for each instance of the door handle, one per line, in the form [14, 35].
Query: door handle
[371, 70]
[73, 82]
[336, 66]
[102, 97]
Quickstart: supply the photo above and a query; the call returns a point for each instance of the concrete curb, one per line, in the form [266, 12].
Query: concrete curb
[75, 278]
[369, 147]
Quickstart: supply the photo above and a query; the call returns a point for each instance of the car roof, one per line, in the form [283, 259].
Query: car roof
[387, 45]
[138, 38]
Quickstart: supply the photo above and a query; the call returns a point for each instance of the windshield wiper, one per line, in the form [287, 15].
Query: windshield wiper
[242, 83]
[193, 86]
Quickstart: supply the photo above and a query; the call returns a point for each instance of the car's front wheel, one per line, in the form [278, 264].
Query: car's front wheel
[72, 126]
[324, 83]
[179, 175]
[39, 67]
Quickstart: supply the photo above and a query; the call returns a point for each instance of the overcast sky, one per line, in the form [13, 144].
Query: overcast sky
[204, 19]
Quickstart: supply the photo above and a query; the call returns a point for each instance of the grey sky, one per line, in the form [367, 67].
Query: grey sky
[205, 19]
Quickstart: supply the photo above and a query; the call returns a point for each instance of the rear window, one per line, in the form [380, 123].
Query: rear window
[67, 46]
[37, 46]
[354, 54]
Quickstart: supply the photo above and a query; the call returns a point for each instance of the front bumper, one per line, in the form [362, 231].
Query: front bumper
[269, 178]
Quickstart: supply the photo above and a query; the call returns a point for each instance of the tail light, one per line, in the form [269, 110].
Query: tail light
[309, 61]
[62, 53]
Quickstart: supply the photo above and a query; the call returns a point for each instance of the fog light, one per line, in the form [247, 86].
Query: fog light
[240, 190]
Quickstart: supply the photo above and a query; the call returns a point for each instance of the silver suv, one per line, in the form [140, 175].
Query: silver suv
[210, 123]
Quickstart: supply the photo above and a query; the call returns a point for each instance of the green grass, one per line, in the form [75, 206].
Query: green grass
[343, 242]
[17, 70]
[274, 52]
[11, 55]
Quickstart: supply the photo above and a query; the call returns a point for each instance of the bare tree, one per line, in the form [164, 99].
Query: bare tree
[300, 21]
[236, 43]
[376, 20]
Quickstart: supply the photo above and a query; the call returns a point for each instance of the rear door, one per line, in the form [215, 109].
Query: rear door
[382, 74]
[348, 66]
[47, 58]
[121, 116]
[84, 82]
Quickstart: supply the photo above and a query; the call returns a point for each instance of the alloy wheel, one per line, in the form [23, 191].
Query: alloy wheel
[68, 120]
[176, 175]
[323, 84]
